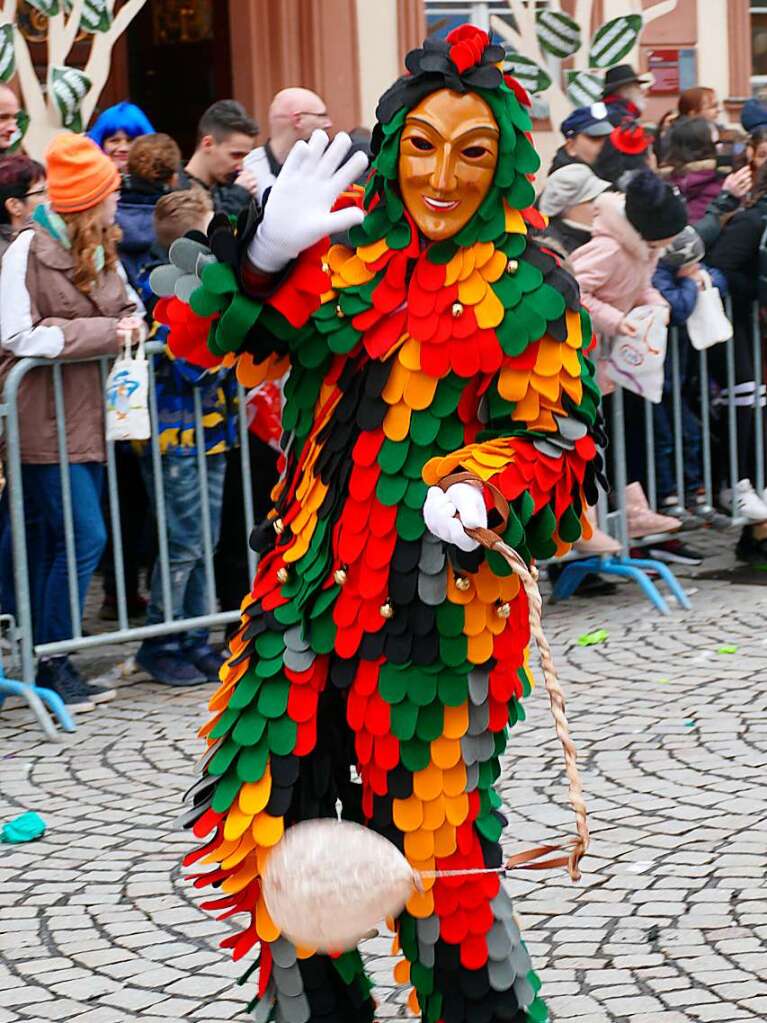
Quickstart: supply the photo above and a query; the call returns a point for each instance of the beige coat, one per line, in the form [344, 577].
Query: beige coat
[42, 314]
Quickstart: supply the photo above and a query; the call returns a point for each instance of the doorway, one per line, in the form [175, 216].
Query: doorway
[179, 62]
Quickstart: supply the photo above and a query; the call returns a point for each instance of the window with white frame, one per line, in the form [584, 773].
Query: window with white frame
[759, 47]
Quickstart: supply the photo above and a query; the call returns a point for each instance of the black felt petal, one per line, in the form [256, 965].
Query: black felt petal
[400, 782]
[397, 648]
[558, 328]
[279, 801]
[407, 554]
[421, 619]
[466, 561]
[425, 649]
[537, 257]
[262, 537]
[403, 588]
[285, 769]
[342, 671]
[483, 77]
[372, 645]
[382, 814]
[453, 1008]
[371, 413]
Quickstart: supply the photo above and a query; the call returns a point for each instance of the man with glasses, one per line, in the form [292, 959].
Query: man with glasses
[293, 115]
[9, 117]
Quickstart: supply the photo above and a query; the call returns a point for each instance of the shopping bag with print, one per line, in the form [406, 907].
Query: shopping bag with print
[636, 362]
[127, 396]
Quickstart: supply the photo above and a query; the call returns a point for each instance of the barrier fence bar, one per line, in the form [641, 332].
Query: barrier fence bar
[614, 519]
[115, 518]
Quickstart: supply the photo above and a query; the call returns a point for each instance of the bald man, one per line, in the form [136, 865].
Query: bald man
[293, 115]
[9, 114]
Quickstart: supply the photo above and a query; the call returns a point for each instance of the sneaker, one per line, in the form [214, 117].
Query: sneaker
[97, 694]
[54, 674]
[169, 668]
[674, 552]
[712, 518]
[748, 504]
[688, 517]
[206, 660]
[750, 550]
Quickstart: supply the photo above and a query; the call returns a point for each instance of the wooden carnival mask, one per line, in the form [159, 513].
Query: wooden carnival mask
[447, 160]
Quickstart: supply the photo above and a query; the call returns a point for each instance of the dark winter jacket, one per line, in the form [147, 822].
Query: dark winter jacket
[681, 293]
[230, 199]
[711, 224]
[135, 217]
[699, 182]
[736, 251]
[567, 235]
[563, 159]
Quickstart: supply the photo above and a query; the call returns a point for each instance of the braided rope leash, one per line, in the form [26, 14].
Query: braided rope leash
[531, 860]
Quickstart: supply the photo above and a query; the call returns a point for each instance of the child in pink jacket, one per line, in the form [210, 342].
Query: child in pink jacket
[614, 270]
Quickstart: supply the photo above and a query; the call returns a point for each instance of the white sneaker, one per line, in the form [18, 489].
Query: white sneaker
[748, 504]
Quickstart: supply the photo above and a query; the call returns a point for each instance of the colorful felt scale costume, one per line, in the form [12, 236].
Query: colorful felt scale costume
[367, 641]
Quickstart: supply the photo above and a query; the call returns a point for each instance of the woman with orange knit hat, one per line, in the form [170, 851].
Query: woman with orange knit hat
[63, 294]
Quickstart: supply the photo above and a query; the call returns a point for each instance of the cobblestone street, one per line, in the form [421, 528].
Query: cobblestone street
[669, 923]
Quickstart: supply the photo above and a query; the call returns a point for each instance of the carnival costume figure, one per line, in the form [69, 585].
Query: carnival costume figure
[437, 380]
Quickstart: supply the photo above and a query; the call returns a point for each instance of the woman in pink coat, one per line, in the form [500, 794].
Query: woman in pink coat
[614, 270]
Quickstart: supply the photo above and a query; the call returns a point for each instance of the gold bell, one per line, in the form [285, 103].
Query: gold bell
[340, 576]
[462, 583]
[512, 266]
[387, 611]
[457, 310]
[279, 527]
[282, 574]
[339, 312]
[325, 267]
[503, 610]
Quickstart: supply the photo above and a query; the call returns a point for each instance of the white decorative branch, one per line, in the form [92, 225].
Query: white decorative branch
[97, 68]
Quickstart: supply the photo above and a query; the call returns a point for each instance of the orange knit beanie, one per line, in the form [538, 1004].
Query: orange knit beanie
[80, 176]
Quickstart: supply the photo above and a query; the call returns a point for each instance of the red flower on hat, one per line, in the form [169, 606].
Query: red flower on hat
[467, 44]
[630, 139]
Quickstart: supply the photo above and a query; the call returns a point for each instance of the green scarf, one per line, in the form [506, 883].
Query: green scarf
[57, 228]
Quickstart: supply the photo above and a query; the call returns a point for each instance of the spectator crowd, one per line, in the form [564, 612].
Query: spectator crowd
[651, 220]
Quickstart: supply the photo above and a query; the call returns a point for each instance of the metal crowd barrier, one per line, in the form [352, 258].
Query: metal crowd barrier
[730, 469]
[28, 652]
[611, 518]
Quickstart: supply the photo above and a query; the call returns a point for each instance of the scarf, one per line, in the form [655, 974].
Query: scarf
[57, 228]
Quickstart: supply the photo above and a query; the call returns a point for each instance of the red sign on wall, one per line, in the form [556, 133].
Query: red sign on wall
[663, 65]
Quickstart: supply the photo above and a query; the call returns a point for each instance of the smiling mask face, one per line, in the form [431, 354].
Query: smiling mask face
[447, 160]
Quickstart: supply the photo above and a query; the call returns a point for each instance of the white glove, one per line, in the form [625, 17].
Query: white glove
[298, 213]
[256, 166]
[442, 506]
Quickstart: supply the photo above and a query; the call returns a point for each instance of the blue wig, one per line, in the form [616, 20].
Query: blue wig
[123, 116]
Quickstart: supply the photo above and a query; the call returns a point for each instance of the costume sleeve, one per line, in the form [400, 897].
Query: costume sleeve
[539, 446]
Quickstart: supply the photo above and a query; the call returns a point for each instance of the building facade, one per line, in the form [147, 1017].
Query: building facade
[179, 55]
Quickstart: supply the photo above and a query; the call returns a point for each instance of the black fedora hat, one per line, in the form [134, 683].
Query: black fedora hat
[622, 74]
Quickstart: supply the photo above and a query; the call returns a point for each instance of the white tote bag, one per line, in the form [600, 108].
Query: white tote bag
[636, 363]
[127, 396]
[707, 324]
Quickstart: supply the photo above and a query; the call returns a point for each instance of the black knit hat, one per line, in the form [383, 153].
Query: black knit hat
[653, 208]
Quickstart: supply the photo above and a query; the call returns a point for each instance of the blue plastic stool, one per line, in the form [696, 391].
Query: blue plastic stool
[38, 699]
[574, 572]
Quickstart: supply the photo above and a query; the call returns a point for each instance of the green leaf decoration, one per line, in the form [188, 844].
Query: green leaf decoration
[530, 75]
[583, 88]
[46, 7]
[557, 34]
[96, 16]
[69, 87]
[614, 40]
[7, 53]
[22, 127]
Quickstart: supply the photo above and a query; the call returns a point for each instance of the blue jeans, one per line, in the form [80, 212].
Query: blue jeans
[46, 549]
[186, 550]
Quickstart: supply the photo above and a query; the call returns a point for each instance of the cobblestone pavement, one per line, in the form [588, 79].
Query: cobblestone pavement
[668, 924]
